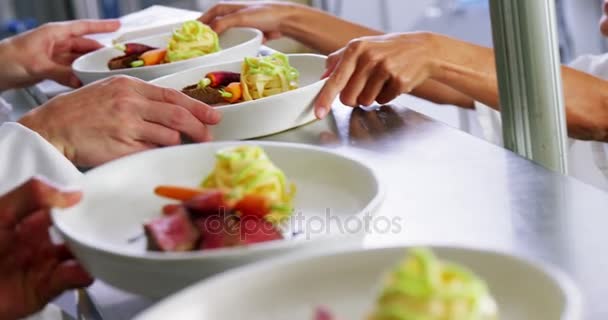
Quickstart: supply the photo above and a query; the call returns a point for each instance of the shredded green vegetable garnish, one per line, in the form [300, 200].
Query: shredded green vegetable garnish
[424, 288]
[248, 170]
[192, 40]
[266, 76]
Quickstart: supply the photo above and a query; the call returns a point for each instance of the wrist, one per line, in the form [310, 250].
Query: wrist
[14, 73]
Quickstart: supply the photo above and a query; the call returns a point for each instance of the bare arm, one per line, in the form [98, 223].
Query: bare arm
[471, 70]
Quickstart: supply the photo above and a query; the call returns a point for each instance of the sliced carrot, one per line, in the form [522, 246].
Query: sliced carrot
[178, 193]
[253, 206]
[153, 57]
[235, 92]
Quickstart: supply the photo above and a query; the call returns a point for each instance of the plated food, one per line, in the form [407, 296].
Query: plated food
[257, 96]
[105, 230]
[259, 77]
[178, 48]
[241, 202]
[446, 283]
[424, 287]
[193, 39]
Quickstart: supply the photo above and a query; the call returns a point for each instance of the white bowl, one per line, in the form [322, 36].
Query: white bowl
[236, 43]
[346, 283]
[118, 199]
[265, 116]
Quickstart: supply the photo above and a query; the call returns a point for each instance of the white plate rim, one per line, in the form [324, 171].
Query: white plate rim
[371, 207]
[573, 308]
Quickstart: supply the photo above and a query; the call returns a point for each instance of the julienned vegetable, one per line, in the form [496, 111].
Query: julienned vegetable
[247, 170]
[192, 40]
[424, 287]
[266, 76]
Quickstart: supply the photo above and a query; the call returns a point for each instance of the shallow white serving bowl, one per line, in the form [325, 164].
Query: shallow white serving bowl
[118, 199]
[236, 43]
[346, 283]
[265, 116]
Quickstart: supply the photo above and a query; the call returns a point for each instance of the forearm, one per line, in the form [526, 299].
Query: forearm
[471, 69]
[322, 31]
[438, 92]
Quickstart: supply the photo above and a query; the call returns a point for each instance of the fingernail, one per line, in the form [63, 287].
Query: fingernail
[321, 112]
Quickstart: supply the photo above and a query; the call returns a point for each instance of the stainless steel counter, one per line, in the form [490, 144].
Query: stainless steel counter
[446, 187]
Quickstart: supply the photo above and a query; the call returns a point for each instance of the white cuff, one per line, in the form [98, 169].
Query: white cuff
[24, 153]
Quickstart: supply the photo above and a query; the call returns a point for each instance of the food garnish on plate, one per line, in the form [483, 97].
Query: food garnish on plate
[193, 39]
[423, 287]
[260, 77]
[241, 202]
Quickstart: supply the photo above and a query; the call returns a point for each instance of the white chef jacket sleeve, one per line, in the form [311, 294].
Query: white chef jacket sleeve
[24, 153]
[5, 111]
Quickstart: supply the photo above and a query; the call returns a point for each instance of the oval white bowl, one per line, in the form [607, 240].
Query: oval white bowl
[236, 44]
[270, 115]
[118, 199]
[346, 283]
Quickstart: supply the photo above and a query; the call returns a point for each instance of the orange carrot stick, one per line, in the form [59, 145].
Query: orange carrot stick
[153, 57]
[233, 92]
[178, 193]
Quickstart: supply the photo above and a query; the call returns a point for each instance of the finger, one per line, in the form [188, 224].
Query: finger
[62, 252]
[335, 83]
[331, 62]
[67, 275]
[218, 10]
[372, 88]
[360, 77]
[273, 35]
[84, 45]
[83, 27]
[159, 135]
[390, 91]
[34, 195]
[237, 19]
[64, 74]
[201, 111]
[67, 59]
[177, 118]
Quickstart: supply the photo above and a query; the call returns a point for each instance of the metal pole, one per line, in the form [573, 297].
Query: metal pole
[529, 80]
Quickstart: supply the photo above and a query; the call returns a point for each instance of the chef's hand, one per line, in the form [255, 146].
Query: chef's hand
[119, 116]
[266, 16]
[47, 52]
[33, 270]
[377, 68]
